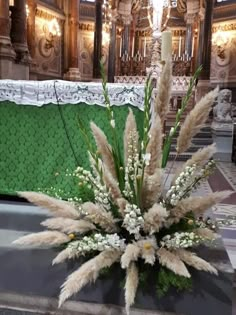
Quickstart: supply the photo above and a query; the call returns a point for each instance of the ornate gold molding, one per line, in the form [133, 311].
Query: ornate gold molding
[224, 27]
[86, 27]
[44, 14]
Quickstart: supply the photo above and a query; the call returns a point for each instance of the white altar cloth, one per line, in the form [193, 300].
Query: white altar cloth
[39, 93]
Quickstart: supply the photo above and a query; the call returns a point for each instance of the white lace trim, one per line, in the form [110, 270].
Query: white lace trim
[40, 93]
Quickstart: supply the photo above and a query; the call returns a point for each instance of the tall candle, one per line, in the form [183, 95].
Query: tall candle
[193, 42]
[144, 48]
[180, 46]
[166, 45]
[120, 46]
[132, 48]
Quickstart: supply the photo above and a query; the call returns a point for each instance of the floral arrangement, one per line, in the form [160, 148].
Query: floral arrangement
[136, 217]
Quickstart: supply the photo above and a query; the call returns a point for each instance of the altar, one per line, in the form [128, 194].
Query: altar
[40, 142]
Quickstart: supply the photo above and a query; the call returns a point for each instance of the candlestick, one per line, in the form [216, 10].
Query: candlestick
[144, 48]
[193, 46]
[132, 54]
[180, 45]
[120, 46]
[166, 45]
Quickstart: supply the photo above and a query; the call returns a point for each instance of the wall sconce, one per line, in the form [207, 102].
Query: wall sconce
[52, 31]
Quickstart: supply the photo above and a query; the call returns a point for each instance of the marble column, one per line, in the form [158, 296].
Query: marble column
[31, 27]
[205, 35]
[97, 48]
[19, 31]
[112, 48]
[7, 54]
[32, 5]
[189, 38]
[73, 73]
[126, 34]
[204, 47]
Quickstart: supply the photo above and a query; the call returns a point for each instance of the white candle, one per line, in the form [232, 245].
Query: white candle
[120, 46]
[193, 42]
[166, 45]
[144, 48]
[132, 48]
[180, 46]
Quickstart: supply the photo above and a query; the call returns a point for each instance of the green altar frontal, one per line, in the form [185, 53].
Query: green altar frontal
[36, 154]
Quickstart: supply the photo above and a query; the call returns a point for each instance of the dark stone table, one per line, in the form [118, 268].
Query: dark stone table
[28, 281]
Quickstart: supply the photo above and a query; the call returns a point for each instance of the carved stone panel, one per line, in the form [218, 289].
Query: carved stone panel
[48, 50]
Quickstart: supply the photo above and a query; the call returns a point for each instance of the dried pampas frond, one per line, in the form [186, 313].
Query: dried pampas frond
[69, 225]
[46, 238]
[152, 188]
[195, 120]
[172, 262]
[206, 233]
[131, 286]
[197, 205]
[104, 148]
[87, 273]
[130, 135]
[192, 260]
[199, 158]
[164, 92]
[121, 203]
[131, 254]
[99, 216]
[65, 254]
[154, 147]
[111, 184]
[58, 208]
[154, 219]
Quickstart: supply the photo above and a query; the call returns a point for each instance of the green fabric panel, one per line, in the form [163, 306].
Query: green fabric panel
[35, 153]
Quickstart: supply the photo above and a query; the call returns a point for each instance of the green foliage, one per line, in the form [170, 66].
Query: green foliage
[167, 279]
[116, 151]
[185, 101]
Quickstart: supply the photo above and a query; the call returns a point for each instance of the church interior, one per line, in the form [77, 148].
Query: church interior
[166, 69]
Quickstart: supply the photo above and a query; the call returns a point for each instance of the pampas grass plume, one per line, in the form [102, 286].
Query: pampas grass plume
[172, 262]
[68, 225]
[194, 261]
[87, 273]
[58, 208]
[131, 254]
[154, 146]
[46, 238]
[104, 148]
[131, 286]
[154, 218]
[164, 92]
[195, 120]
[130, 130]
[99, 216]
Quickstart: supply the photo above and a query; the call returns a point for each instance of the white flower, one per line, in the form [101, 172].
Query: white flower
[113, 124]
[146, 158]
[172, 130]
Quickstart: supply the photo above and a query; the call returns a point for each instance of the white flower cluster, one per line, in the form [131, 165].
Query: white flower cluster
[100, 191]
[98, 242]
[132, 166]
[133, 220]
[181, 186]
[181, 240]
[207, 168]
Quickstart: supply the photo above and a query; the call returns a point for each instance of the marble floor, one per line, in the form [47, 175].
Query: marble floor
[17, 219]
